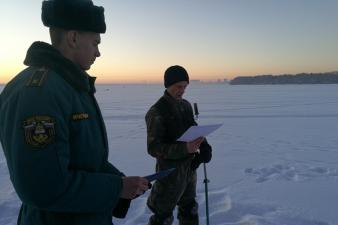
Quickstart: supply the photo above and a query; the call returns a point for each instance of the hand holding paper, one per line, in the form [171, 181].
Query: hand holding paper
[159, 175]
[198, 131]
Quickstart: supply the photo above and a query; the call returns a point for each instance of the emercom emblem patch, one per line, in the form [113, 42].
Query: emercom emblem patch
[39, 131]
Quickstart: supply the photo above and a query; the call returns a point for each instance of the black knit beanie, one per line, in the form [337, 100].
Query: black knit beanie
[175, 74]
[80, 15]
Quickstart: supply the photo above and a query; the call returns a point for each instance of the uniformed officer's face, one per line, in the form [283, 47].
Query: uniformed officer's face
[86, 49]
[177, 90]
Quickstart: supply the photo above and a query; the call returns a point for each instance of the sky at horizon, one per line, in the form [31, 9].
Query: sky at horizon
[212, 39]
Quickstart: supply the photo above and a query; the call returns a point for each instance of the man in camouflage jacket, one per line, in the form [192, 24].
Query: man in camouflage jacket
[166, 121]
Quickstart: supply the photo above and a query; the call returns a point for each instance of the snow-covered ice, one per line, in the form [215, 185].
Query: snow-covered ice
[275, 159]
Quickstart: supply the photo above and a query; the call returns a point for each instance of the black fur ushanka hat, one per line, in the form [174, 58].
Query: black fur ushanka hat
[80, 15]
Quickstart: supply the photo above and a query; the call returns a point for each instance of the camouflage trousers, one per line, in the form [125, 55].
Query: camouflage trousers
[179, 188]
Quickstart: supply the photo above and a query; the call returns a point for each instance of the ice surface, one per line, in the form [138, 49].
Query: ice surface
[275, 159]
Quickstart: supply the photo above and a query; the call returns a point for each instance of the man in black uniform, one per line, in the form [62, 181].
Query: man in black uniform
[52, 131]
[166, 121]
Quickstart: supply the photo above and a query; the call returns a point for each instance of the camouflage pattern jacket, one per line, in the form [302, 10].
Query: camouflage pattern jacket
[166, 121]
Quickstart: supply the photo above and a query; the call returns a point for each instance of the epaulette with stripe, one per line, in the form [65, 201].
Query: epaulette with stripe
[38, 77]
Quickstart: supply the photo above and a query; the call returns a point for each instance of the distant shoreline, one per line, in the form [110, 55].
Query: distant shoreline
[302, 78]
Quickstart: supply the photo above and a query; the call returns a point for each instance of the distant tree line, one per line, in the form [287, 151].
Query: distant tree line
[302, 78]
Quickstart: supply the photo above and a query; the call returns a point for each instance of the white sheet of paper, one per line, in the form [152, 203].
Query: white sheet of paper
[198, 131]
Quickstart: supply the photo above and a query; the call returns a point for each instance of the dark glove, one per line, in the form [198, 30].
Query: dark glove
[121, 208]
[196, 161]
[205, 153]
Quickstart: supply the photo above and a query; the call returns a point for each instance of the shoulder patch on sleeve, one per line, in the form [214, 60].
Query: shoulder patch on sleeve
[39, 131]
[38, 77]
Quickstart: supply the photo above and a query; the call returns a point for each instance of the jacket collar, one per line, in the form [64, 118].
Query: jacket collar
[170, 99]
[42, 54]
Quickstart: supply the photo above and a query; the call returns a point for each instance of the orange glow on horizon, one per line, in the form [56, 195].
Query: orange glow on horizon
[105, 74]
[9, 72]
[122, 73]
[115, 76]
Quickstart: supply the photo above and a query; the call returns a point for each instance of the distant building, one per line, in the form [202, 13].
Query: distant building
[224, 81]
[195, 81]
